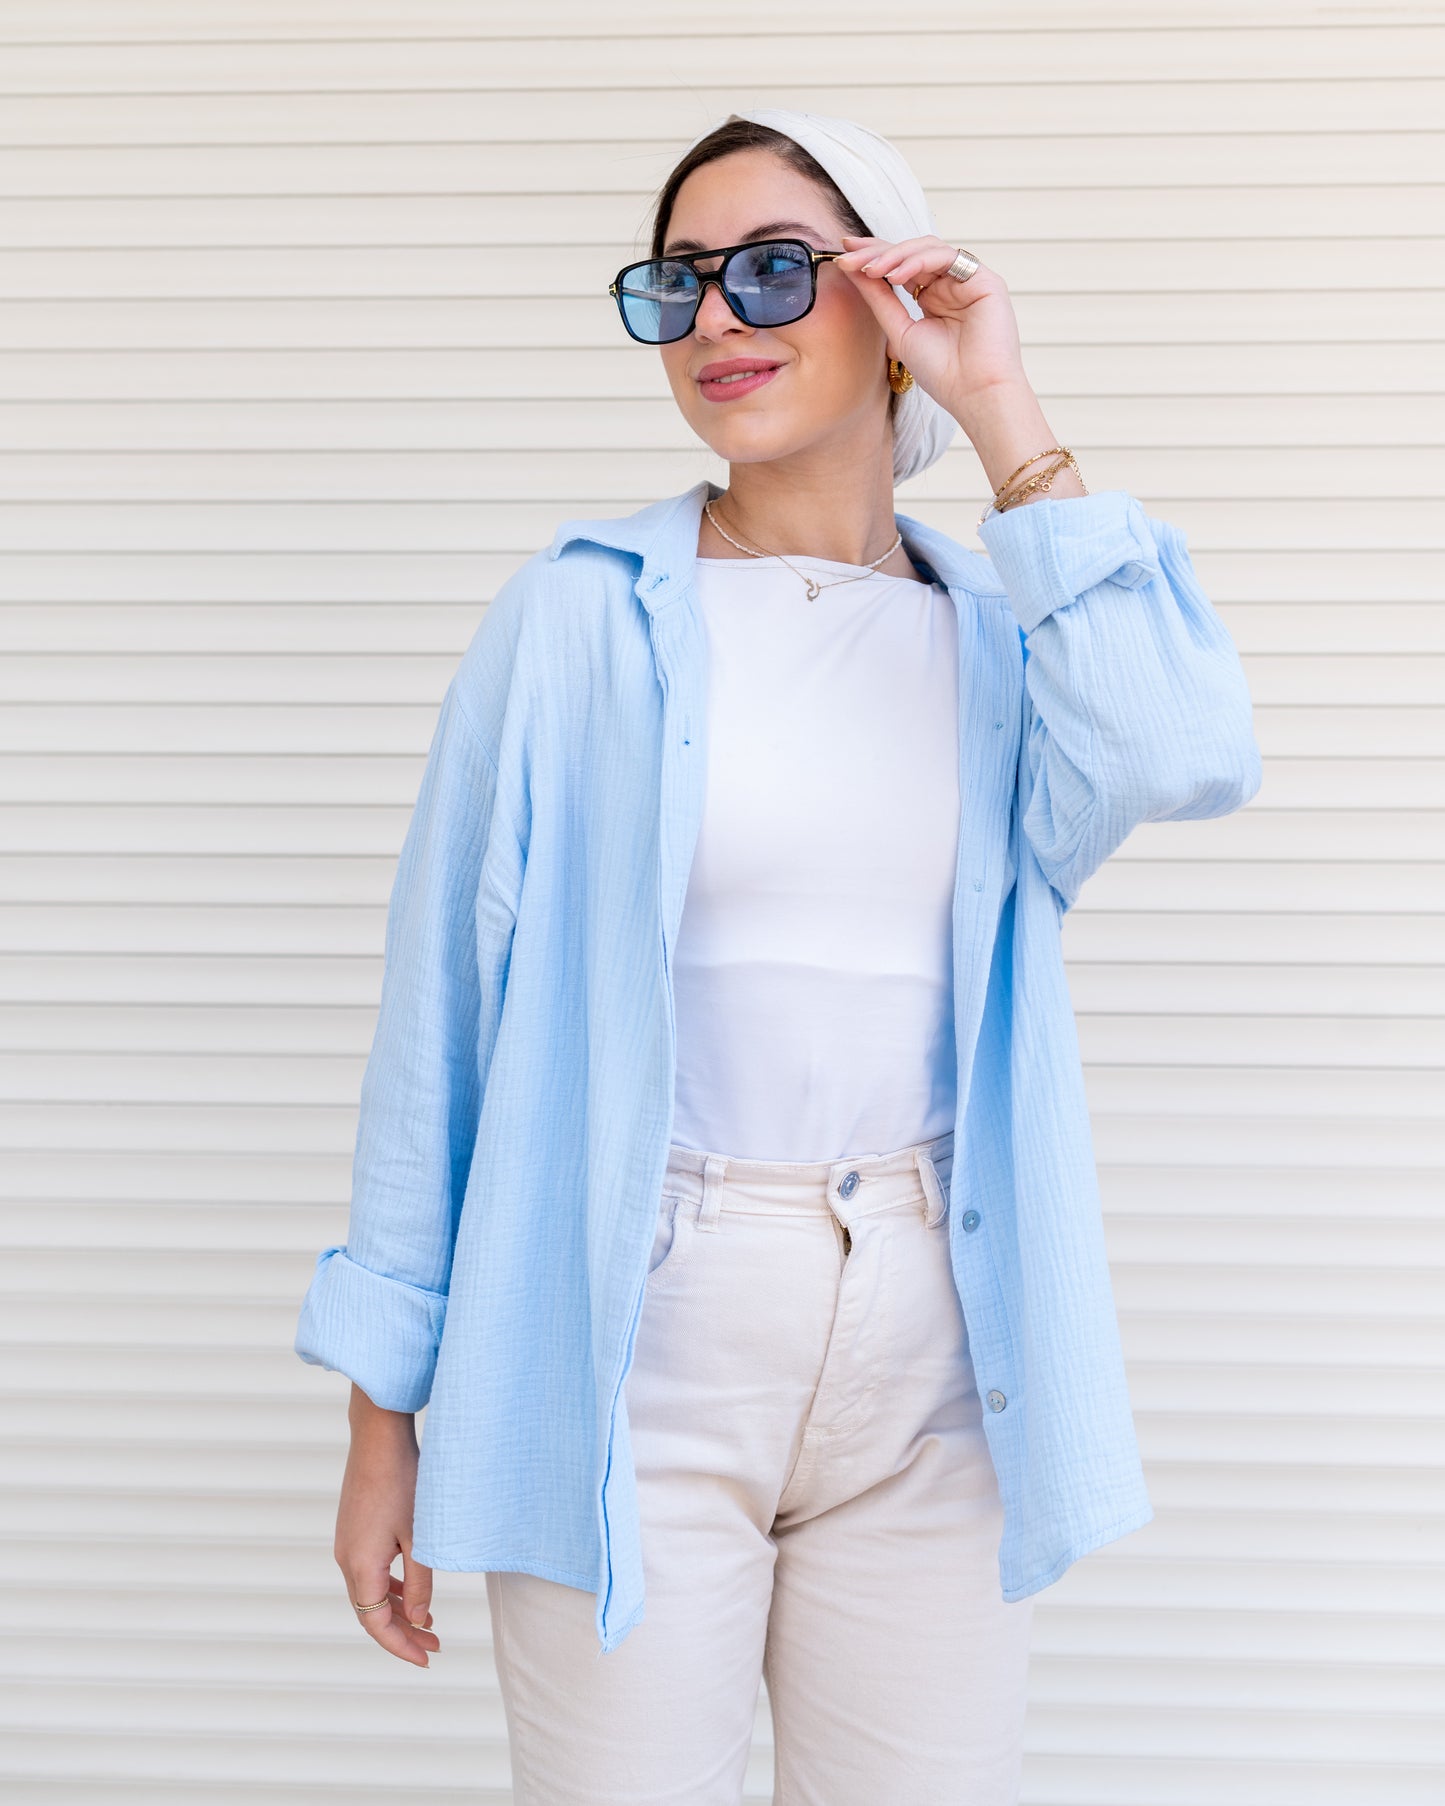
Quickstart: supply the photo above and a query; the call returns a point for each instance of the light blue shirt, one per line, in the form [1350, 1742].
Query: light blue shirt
[517, 1105]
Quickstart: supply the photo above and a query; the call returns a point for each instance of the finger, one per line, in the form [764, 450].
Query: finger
[912, 265]
[879, 245]
[879, 257]
[397, 1599]
[920, 272]
[416, 1591]
[888, 310]
[370, 1582]
[422, 1633]
[906, 268]
[931, 268]
[386, 1626]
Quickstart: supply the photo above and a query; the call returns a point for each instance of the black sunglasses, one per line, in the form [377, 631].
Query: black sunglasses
[771, 282]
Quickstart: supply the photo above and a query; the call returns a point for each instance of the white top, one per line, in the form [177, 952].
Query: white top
[813, 969]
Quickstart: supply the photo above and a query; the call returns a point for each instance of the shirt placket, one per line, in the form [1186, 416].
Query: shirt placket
[991, 687]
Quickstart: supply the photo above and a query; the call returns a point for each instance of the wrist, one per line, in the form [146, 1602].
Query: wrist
[974, 408]
[370, 1421]
[1007, 428]
[382, 1451]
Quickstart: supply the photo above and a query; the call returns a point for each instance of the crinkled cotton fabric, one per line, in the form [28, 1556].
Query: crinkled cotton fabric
[888, 198]
[517, 1104]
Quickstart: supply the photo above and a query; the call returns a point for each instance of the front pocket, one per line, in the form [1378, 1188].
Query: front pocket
[670, 1239]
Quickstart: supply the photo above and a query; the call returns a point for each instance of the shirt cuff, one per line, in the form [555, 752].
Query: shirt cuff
[1050, 552]
[383, 1333]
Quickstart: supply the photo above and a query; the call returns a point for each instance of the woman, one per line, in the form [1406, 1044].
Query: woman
[730, 905]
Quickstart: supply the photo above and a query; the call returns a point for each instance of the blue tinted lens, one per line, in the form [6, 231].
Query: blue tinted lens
[659, 300]
[770, 283]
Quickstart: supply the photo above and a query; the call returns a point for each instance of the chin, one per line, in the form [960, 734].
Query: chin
[755, 443]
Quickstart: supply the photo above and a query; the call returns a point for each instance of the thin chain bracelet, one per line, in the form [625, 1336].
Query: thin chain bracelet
[998, 493]
[1024, 466]
[1042, 481]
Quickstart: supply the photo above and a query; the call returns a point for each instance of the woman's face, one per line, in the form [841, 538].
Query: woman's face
[829, 387]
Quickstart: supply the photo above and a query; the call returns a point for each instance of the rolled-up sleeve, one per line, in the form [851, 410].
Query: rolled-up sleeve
[376, 1304]
[1137, 704]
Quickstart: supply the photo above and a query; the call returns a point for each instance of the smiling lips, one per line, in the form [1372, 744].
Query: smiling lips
[736, 376]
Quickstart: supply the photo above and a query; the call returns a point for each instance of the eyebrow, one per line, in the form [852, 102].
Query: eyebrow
[772, 229]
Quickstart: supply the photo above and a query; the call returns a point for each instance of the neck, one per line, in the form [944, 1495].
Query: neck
[826, 510]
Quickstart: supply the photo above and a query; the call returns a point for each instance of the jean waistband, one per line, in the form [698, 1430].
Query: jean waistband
[851, 1187]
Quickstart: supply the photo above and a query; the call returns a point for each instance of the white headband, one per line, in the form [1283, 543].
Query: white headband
[888, 198]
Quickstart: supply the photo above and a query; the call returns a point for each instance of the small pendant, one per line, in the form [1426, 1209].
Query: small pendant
[812, 589]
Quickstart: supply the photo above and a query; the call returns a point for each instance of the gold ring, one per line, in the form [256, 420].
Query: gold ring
[371, 1608]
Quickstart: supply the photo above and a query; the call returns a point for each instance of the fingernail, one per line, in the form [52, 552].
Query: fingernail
[418, 1617]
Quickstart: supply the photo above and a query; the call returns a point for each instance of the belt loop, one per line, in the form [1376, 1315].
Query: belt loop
[712, 1178]
[933, 1186]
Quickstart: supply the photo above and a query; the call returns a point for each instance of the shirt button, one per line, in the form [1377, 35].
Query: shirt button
[848, 1186]
[996, 1401]
[970, 1219]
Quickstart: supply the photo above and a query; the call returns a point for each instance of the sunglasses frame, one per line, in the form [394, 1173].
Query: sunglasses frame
[704, 277]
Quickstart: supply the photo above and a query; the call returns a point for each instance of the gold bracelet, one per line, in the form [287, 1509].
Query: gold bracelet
[1024, 466]
[998, 503]
[1042, 481]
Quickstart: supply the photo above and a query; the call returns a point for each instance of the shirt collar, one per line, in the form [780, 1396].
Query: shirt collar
[664, 536]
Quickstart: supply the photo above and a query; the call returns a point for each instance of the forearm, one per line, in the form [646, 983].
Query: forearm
[1006, 424]
[372, 1424]
[1140, 710]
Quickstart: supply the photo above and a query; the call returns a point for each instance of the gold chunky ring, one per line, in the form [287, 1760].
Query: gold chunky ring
[371, 1608]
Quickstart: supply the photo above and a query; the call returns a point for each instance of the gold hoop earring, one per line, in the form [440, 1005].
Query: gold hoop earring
[900, 377]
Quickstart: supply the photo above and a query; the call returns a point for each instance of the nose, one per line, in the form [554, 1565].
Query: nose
[714, 316]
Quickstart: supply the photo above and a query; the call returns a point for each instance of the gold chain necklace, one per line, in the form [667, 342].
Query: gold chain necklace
[812, 582]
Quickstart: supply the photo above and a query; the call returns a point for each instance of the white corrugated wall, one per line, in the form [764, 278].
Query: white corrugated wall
[284, 395]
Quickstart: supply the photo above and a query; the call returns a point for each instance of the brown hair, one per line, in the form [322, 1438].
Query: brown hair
[746, 134]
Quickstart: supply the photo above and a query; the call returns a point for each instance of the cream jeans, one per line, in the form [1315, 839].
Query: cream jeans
[819, 1509]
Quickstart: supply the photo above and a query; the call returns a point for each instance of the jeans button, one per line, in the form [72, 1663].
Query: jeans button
[848, 1186]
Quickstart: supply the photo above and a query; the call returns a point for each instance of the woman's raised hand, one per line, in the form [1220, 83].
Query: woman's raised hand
[968, 339]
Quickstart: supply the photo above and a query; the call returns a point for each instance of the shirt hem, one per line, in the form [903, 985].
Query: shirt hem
[1134, 1520]
[502, 1561]
[610, 1638]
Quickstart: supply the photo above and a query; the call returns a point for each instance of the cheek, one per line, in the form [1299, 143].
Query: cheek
[847, 341]
[674, 366]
